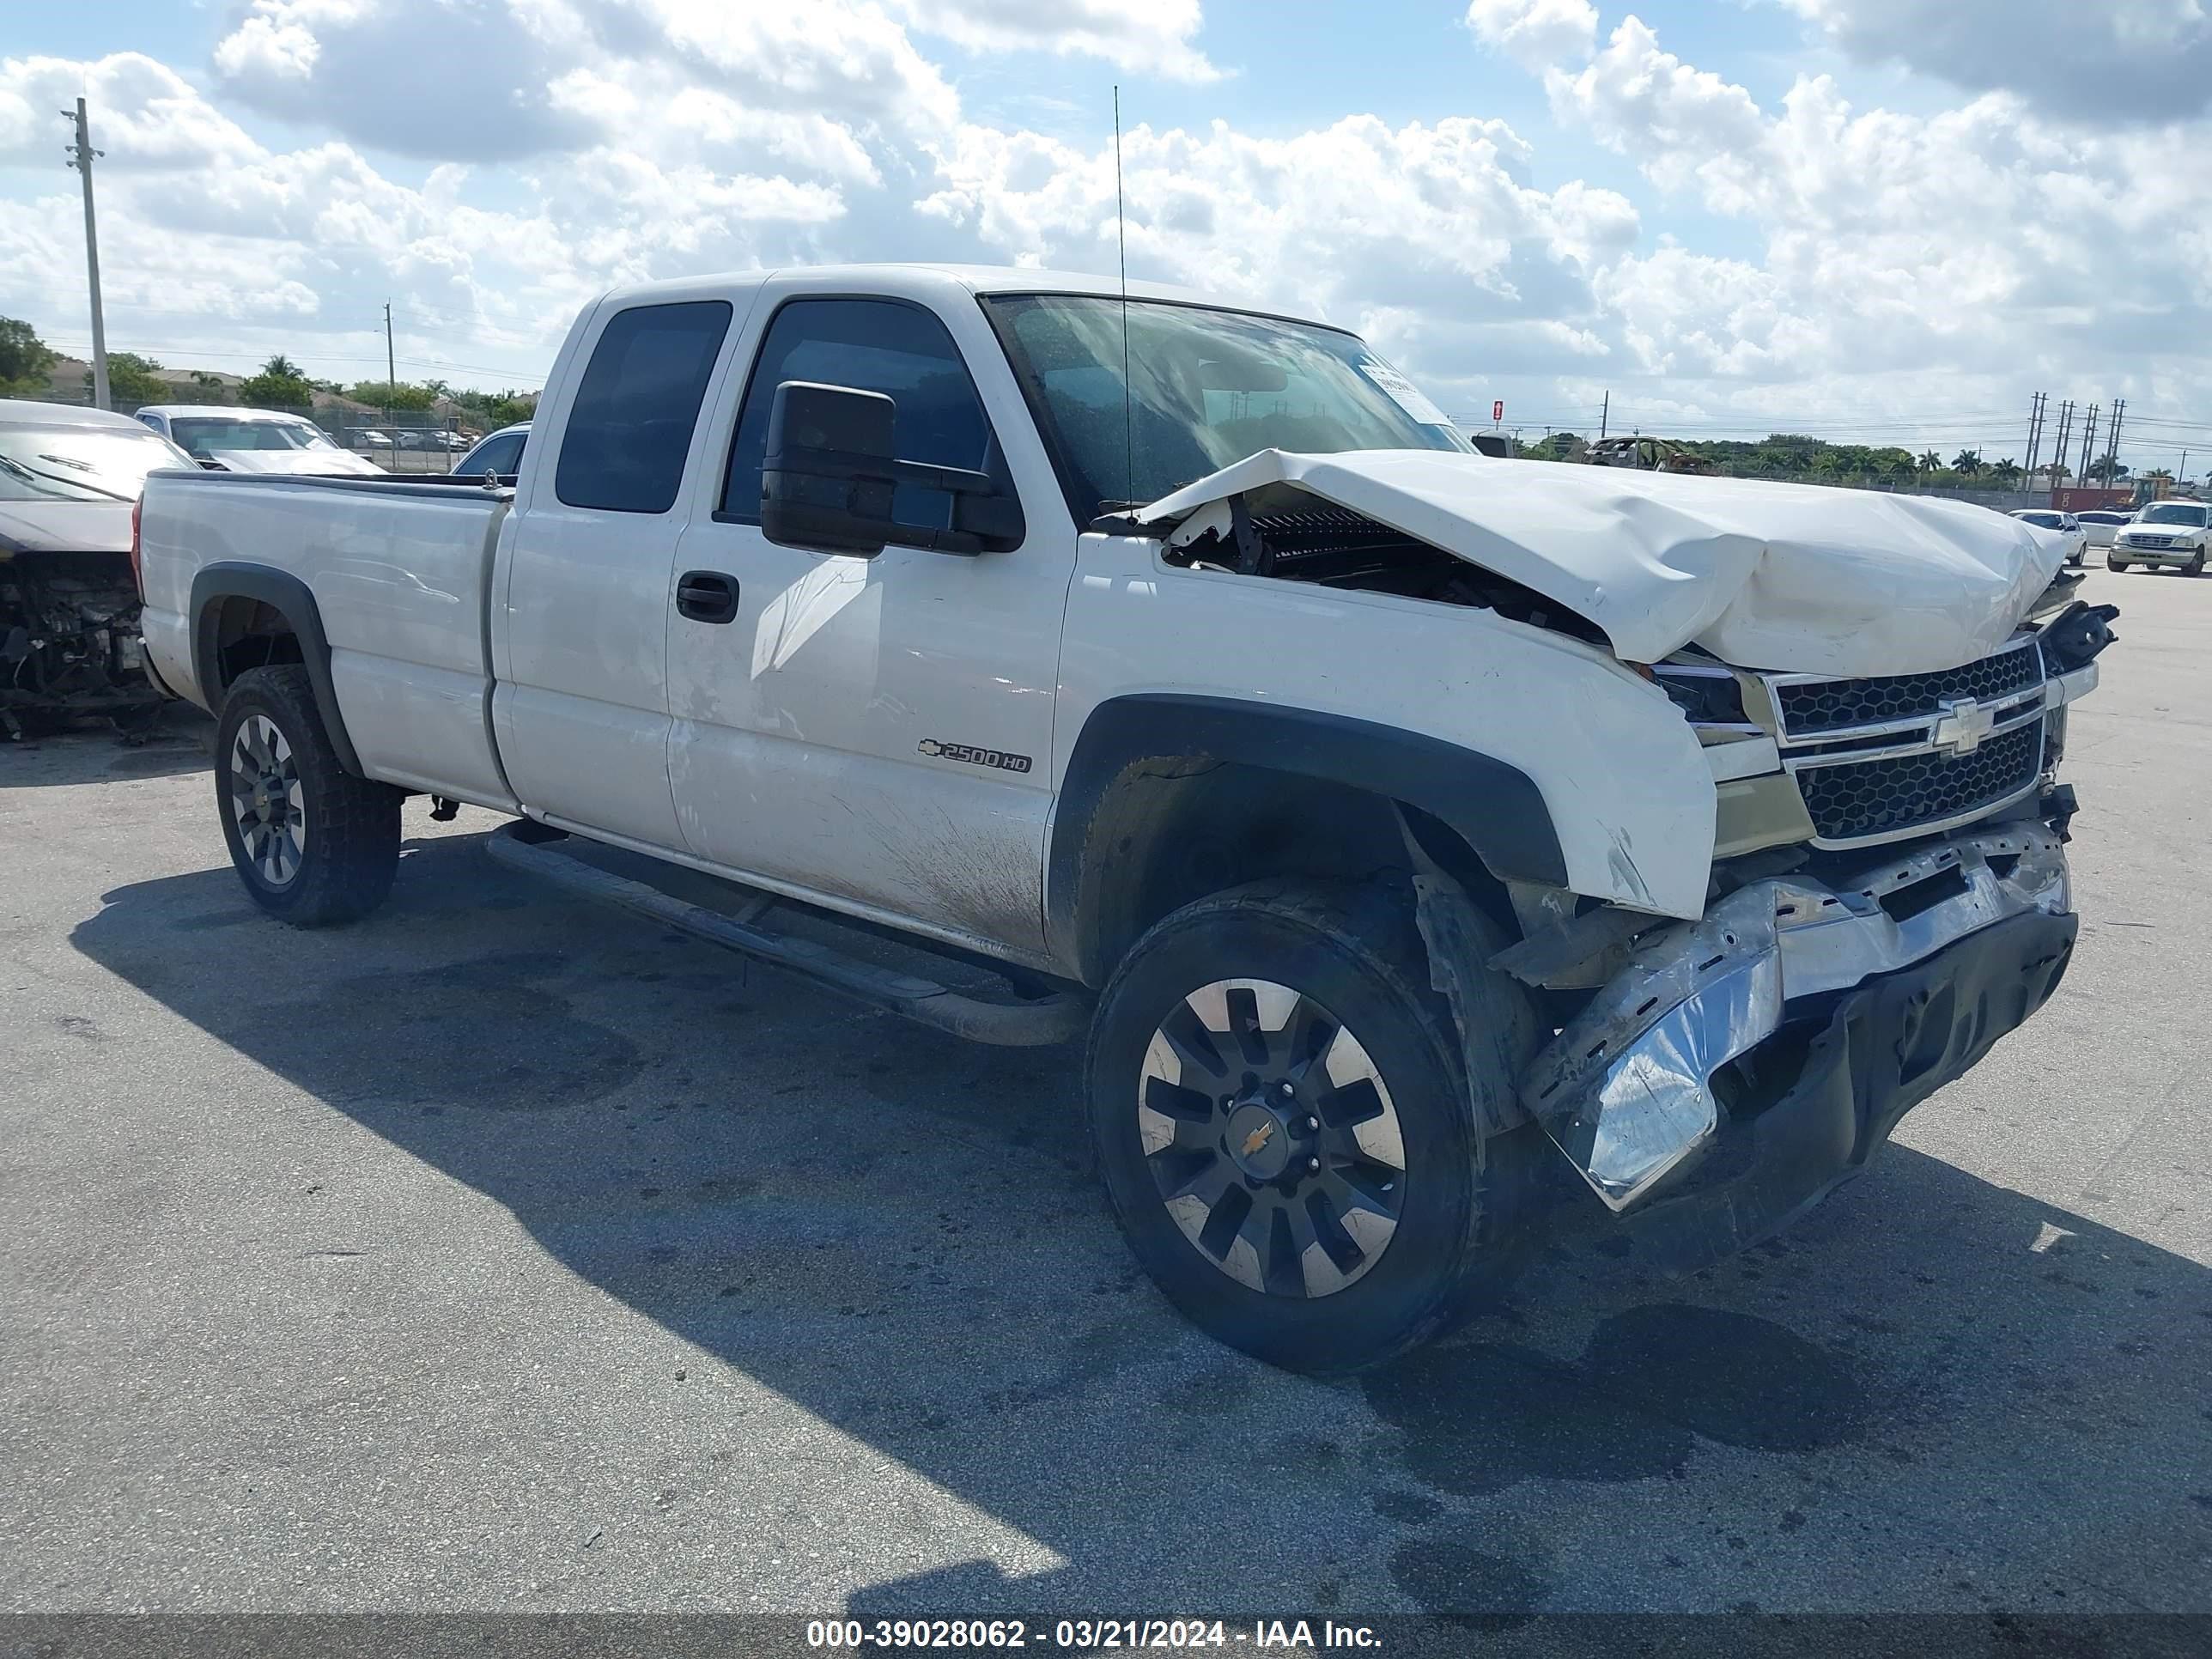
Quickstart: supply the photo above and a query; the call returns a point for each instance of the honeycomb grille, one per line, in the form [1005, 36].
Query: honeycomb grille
[1856, 799]
[1818, 706]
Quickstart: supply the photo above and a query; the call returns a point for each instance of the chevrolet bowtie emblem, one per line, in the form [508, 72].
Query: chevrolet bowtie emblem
[1962, 726]
[1259, 1138]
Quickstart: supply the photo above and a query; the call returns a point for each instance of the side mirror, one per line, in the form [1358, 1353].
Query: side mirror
[829, 473]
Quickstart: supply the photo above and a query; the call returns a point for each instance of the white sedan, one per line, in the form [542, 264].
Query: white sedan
[2064, 525]
[2101, 525]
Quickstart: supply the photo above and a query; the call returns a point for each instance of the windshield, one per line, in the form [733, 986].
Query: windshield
[208, 437]
[1207, 388]
[2172, 513]
[80, 464]
[2045, 520]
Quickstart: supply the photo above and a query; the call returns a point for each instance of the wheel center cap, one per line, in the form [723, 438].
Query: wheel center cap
[1259, 1142]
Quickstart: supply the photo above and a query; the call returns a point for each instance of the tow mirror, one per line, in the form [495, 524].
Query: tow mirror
[829, 474]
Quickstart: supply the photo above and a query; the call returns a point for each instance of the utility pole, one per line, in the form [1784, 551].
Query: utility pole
[1604, 409]
[391, 368]
[2034, 432]
[80, 154]
[2058, 449]
[2113, 441]
[2088, 443]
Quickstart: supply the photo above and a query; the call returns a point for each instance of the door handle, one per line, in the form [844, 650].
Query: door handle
[706, 596]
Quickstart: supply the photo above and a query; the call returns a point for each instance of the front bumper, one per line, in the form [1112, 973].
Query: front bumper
[1885, 1047]
[2127, 555]
[1976, 926]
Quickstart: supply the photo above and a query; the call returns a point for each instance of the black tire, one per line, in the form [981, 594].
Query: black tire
[1460, 1225]
[2117, 564]
[2196, 566]
[343, 830]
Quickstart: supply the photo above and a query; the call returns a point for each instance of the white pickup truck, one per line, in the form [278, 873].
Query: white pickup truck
[1409, 826]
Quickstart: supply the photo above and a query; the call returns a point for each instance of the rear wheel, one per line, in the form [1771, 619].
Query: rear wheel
[313, 844]
[1284, 1122]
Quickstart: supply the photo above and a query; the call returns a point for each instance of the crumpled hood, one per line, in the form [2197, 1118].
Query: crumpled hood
[327, 463]
[1795, 577]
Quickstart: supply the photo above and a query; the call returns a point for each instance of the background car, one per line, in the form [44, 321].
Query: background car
[499, 453]
[2101, 524]
[2061, 524]
[2173, 533]
[251, 439]
[69, 482]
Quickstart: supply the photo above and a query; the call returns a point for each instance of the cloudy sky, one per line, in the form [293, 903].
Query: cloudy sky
[1872, 219]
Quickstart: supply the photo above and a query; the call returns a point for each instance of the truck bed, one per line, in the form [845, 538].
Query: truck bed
[400, 571]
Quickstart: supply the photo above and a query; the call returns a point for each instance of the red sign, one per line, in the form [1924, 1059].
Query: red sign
[1497, 411]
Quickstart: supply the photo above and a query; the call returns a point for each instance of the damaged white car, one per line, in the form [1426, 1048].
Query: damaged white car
[1406, 827]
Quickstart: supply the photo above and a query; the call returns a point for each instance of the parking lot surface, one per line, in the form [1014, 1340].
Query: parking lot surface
[502, 1253]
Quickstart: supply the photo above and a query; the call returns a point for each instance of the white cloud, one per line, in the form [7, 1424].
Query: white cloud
[1153, 37]
[2114, 63]
[1874, 261]
[664, 137]
[1534, 32]
[1957, 260]
[1376, 226]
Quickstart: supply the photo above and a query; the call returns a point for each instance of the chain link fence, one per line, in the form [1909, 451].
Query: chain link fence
[399, 441]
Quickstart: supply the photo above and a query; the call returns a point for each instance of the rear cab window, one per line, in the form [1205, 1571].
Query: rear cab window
[629, 431]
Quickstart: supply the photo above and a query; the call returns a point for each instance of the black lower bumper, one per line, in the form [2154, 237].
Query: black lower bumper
[1885, 1047]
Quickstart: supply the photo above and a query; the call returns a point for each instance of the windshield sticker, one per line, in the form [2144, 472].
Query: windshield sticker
[1403, 393]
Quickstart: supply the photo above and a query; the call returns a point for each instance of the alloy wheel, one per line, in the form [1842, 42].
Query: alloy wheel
[1272, 1138]
[266, 800]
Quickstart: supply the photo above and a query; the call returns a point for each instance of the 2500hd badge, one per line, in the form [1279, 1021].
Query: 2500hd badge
[973, 756]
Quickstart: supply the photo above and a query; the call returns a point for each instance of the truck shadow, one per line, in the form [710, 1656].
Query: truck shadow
[1914, 1400]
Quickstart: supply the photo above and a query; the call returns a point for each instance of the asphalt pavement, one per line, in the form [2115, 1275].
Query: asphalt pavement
[502, 1253]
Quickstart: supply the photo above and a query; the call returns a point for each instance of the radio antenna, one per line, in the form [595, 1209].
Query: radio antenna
[1128, 396]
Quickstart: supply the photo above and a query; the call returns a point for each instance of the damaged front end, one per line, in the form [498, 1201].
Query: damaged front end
[69, 647]
[1905, 905]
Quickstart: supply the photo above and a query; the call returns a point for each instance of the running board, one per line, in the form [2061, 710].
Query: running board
[1056, 1017]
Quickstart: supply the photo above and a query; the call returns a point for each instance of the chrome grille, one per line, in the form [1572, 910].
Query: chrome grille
[1826, 706]
[1872, 800]
[1883, 758]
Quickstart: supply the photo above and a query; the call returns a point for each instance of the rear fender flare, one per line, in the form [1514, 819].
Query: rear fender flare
[293, 600]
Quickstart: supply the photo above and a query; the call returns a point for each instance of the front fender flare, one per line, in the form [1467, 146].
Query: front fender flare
[1495, 807]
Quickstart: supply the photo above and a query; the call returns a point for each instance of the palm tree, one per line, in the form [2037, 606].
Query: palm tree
[2006, 472]
[1929, 461]
[282, 367]
[1968, 461]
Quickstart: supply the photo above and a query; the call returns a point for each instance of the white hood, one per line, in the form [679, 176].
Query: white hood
[1795, 577]
[313, 462]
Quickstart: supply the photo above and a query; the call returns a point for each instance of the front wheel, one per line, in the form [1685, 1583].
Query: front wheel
[2196, 566]
[313, 844]
[2117, 564]
[1287, 1131]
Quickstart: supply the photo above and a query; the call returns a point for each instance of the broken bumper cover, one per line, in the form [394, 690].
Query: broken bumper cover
[1626, 1090]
